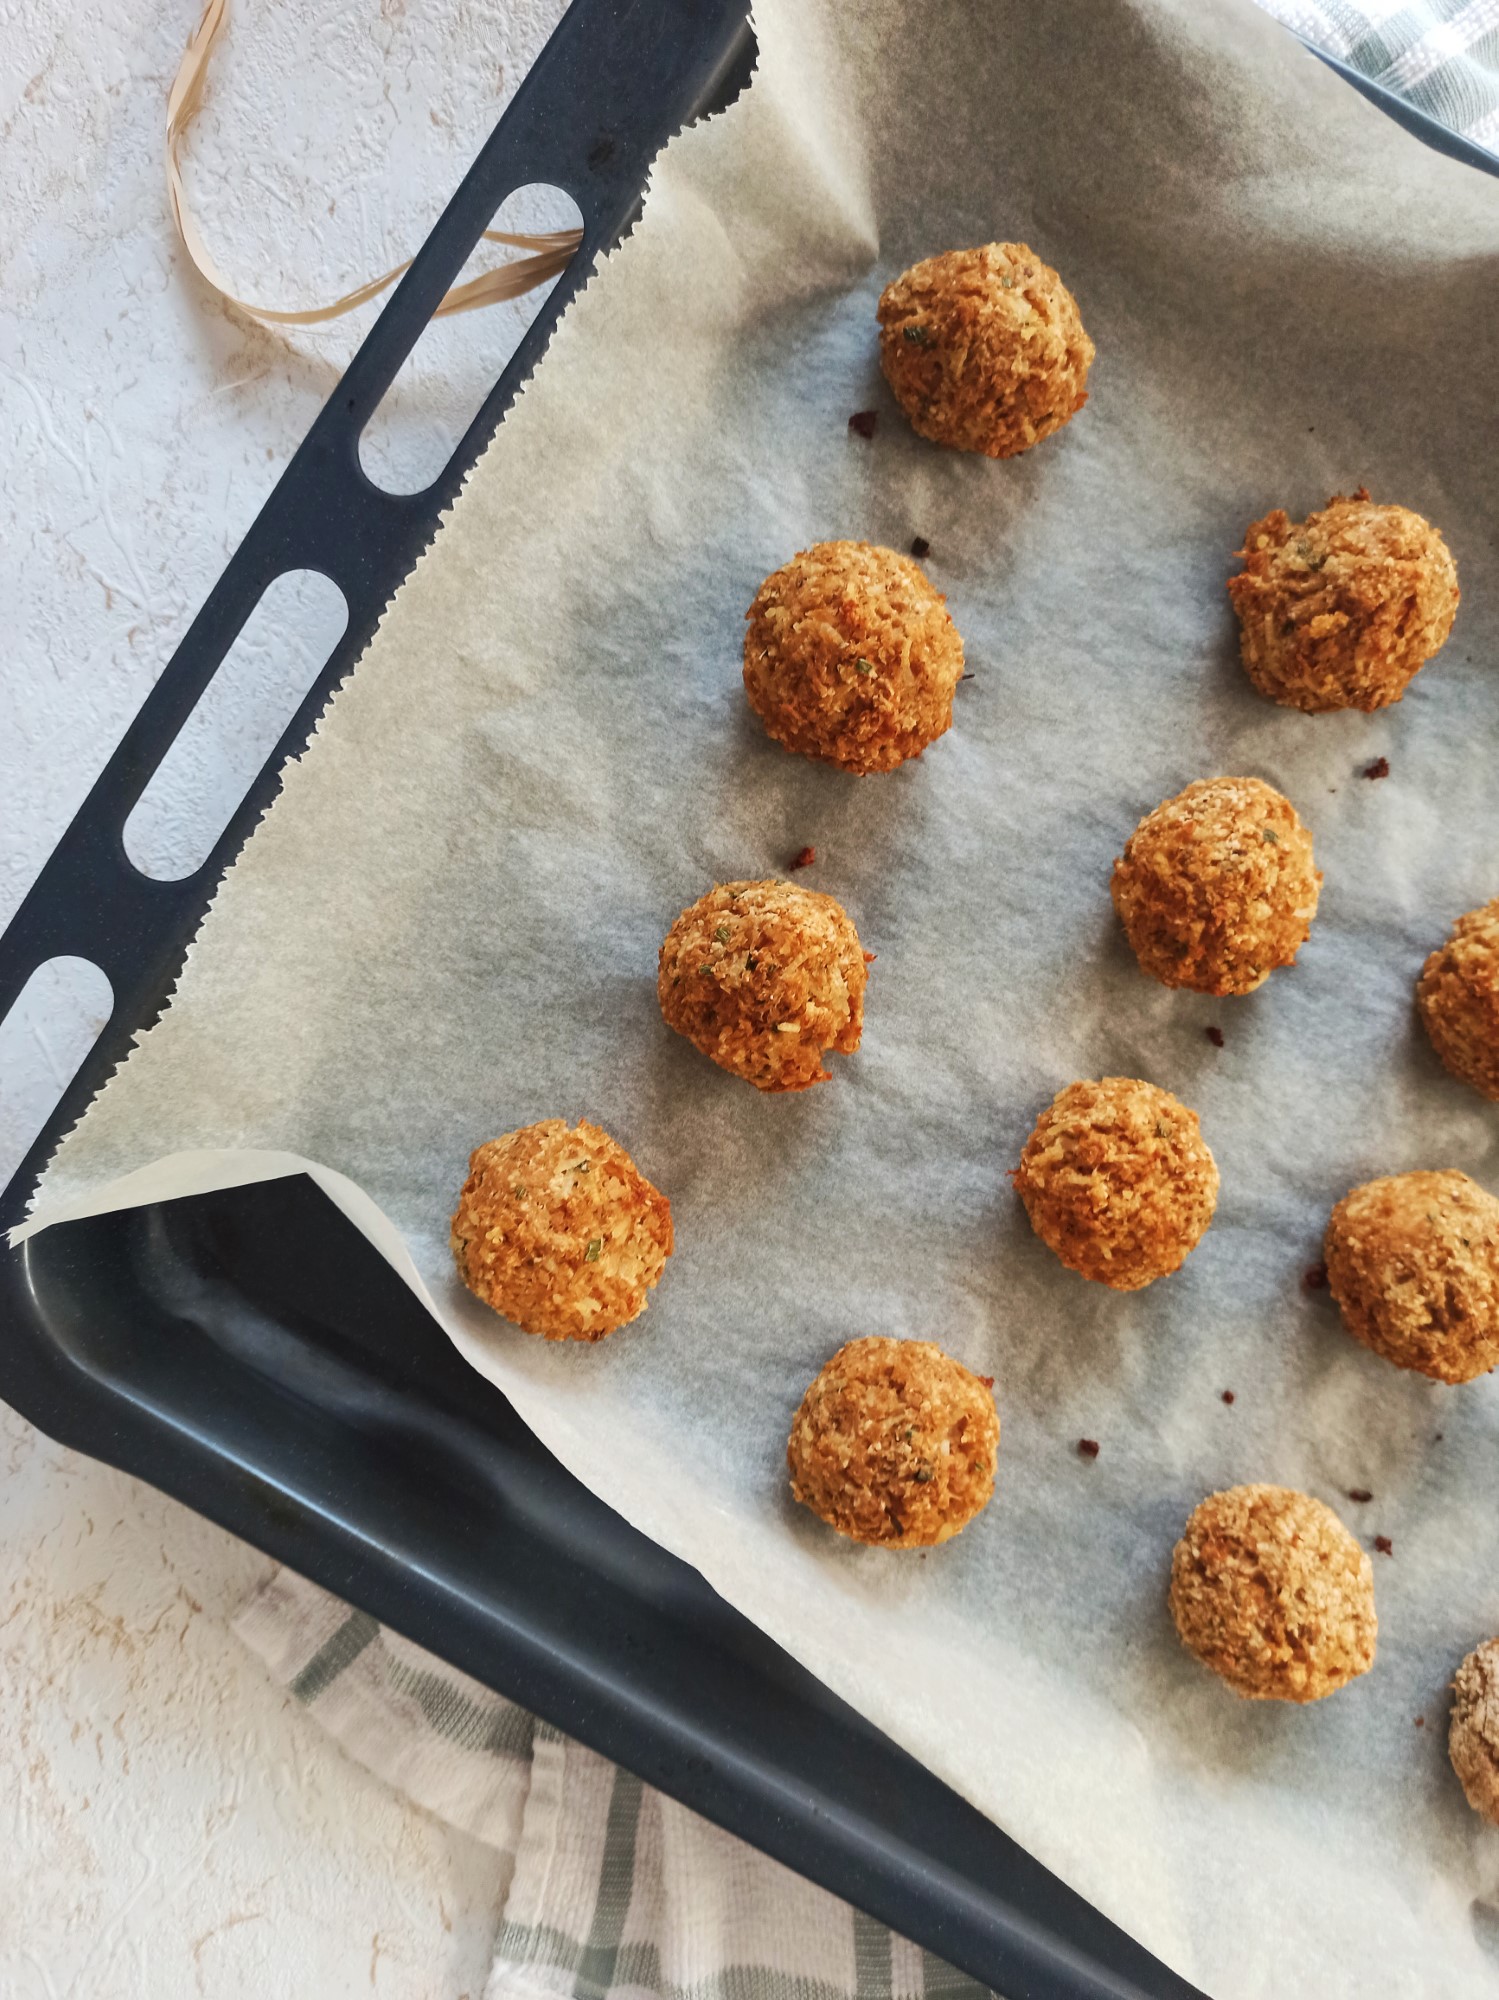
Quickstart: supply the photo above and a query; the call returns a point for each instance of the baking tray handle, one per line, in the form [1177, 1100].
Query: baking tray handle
[617, 78]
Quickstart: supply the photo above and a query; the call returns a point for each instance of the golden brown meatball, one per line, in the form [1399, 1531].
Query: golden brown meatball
[1413, 1262]
[765, 978]
[1343, 609]
[1473, 1733]
[1216, 887]
[984, 349]
[558, 1229]
[1270, 1590]
[851, 658]
[895, 1444]
[1458, 995]
[1118, 1181]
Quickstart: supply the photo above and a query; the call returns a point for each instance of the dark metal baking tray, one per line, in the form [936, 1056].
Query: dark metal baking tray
[249, 1353]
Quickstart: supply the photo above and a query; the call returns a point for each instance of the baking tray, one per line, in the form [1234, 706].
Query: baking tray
[249, 1352]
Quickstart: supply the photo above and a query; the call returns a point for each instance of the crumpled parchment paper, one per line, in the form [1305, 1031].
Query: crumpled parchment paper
[448, 925]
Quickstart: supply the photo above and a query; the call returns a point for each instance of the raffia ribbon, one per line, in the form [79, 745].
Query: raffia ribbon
[548, 254]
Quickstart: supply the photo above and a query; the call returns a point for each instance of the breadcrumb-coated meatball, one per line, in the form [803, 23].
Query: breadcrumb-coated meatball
[895, 1444]
[1343, 609]
[851, 657]
[1473, 1733]
[1118, 1181]
[984, 349]
[558, 1229]
[1413, 1262]
[1270, 1590]
[765, 978]
[1458, 995]
[1216, 887]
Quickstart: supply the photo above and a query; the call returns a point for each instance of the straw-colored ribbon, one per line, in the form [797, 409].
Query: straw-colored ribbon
[549, 253]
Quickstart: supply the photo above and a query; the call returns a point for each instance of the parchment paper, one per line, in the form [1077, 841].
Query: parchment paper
[448, 925]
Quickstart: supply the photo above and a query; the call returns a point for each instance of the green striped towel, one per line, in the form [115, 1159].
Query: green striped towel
[1442, 55]
[617, 1892]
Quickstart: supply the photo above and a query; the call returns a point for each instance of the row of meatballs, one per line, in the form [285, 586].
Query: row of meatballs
[851, 658]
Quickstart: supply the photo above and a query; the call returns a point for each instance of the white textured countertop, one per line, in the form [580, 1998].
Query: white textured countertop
[170, 1823]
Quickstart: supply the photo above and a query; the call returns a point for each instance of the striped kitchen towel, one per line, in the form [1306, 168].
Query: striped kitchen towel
[1441, 55]
[616, 1890]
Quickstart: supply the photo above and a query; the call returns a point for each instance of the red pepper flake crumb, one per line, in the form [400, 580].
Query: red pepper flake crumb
[1215, 1036]
[1087, 1447]
[803, 858]
[1361, 1494]
[921, 548]
[863, 422]
[1384, 1545]
[1228, 1395]
[1380, 768]
[1315, 1278]
[1420, 1722]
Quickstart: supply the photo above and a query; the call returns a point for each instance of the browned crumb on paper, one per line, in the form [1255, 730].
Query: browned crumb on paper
[1380, 768]
[863, 423]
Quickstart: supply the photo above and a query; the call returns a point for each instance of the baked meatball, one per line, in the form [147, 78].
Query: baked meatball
[851, 658]
[1413, 1262]
[1118, 1181]
[1270, 1590]
[1217, 887]
[558, 1230]
[895, 1444]
[1458, 996]
[984, 349]
[1343, 609]
[1473, 1733]
[765, 978]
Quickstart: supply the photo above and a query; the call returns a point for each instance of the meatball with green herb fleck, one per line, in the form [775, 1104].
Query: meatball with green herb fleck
[895, 1444]
[558, 1230]
[765, 979]
[1413, 1262]
[851, 657]
[984, 349]
[1343, 609]
[1270, 1590]
[1217, 887]
[1458, 998]
[1118, 1181]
